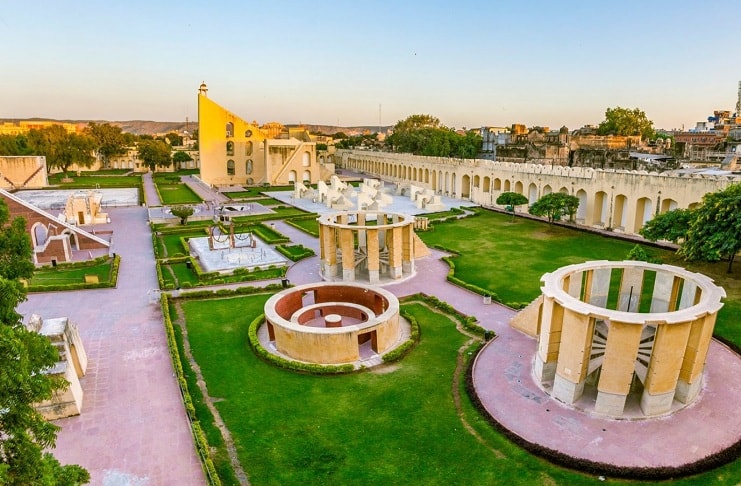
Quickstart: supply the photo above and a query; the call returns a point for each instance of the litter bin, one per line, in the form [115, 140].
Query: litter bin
[285, 283]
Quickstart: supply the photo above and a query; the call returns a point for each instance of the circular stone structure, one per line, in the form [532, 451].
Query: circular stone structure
[367, 246]
[333, 323]
[625, 327]
[506, 380]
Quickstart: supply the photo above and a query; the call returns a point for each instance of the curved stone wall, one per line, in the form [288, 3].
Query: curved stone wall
[625, 328]
[366, 245]
[331, 323]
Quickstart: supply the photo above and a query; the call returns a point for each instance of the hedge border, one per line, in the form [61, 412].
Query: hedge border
[199, 437]
[110, 283]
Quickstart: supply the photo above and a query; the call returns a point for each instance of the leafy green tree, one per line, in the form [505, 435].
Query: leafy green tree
[14, 145]
[624, 121]
[180, 158]
[154, 153]
[511, 200]
[174, 139]
[424, 135]
[24, 356]
[62, 149]
[182, 212]
[110, 141]
[555, 205]
[670, 226]
[715, 230]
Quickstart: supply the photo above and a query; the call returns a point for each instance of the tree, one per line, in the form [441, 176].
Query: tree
[109, 140]
[715, 230]
[62, 149]
[555, 205]
[626, 122]
[174, 139]
[24, 356]
[511, 200]
[670, 226]
[14, 145]
[154, 153]
[182, 212]
[180, 158]
[424, 135]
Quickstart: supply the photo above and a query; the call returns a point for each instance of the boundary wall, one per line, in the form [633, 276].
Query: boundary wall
[618, 200]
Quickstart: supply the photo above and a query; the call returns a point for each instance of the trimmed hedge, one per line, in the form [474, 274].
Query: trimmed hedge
[111, 282]
[468, 322]
[404, 348]
[300, 253]
[199, 437]
[300, 366]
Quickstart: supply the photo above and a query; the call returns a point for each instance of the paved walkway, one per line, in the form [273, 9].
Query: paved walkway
[133, 429]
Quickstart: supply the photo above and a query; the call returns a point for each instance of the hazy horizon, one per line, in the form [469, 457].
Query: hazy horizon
[470, 64]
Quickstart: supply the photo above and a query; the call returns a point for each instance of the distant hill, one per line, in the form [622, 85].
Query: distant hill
[146, 127]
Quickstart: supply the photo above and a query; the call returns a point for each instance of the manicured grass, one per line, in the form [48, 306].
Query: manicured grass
[175, 192]
[65, 275]
[310, 226]
[180, 275]
[248, 194]
[508, 258]
[90, 181]
[399, 427]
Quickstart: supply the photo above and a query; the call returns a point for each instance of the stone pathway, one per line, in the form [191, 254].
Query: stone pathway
[133, 429]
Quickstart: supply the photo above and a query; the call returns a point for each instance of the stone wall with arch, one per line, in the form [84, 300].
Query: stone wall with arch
[620, 200]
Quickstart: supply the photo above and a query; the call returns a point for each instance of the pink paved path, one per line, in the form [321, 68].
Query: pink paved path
[133, 429]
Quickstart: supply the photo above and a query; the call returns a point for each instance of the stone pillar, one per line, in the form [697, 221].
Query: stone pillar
[693, 361]
[573, 358]
[631, 286]
[407, 242]
[670, 344]
[347, 244]
[374, 262]
[618, 365]
[549, 340]
[362, 240]
[690, 295]
[665, 292]
[572, 284]
[393, 241]
[333, 320]
[599, 287]
[329, 244]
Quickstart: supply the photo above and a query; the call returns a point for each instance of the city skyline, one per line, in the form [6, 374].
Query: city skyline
[472, 64]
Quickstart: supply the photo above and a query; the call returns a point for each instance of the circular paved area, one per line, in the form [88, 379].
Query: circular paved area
[502, 377]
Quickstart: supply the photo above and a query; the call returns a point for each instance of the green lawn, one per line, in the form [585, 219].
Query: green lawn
[175, 192]
[179, 275]
[521, 252]
[64, 274]
[399, 427]
[310, 226]
[89, 180]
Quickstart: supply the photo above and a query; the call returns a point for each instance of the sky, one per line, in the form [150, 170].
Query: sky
[348, 63]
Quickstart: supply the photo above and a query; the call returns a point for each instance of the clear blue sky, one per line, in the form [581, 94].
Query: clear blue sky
[469, 63]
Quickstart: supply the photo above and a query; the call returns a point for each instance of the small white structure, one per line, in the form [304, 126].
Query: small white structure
[72, 365]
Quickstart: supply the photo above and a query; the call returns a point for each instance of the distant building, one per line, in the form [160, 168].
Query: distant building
[236, 152]
[25, 126]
